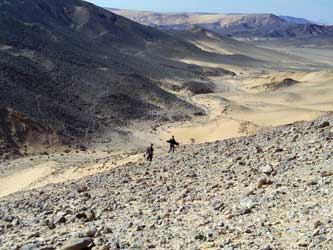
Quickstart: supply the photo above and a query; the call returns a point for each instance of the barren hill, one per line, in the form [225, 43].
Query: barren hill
[216, 43]
[239, 25]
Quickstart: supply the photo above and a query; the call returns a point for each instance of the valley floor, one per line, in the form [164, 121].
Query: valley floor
[246, 105]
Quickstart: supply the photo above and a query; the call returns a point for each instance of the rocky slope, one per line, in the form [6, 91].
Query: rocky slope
[239, 25]
[272, 190]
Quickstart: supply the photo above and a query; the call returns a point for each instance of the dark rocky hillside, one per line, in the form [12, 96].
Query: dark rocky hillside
[76, 68]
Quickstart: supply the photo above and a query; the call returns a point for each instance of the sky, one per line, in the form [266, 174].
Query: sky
[314, 10]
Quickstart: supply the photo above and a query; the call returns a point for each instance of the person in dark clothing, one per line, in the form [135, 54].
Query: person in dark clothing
[173, 144]
[150, 153]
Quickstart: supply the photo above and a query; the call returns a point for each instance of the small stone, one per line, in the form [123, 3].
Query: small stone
[30, 246]
[8, 218]
[82, 189]
[51, 225]
[90, 232]
[140, 227]
[266, 169]
[326, 174]
[217, 204]
[244, 211]
[98, 241]
[86, 216]
[267, 247]
[229, 216]
[324, 125]
[107, 230]
[312, 183]
[262, 182]
[77, 244]
[303, 244]
[247, 203]
[317, 224]
[59, 218]
[200, 237]
[90, 215]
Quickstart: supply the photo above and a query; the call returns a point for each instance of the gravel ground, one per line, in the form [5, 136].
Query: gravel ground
[272, 190]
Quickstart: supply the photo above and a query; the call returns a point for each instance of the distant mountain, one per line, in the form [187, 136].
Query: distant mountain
[296, 20]
[214, 42]
[239, 25]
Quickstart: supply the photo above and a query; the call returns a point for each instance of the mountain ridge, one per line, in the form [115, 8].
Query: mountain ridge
[239, 25]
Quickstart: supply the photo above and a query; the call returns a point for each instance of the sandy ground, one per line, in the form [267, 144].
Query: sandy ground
[245, 108]
[214, 126]
[24, 179]
[49, 172]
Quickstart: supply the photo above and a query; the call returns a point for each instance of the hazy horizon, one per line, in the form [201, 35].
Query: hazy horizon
[318, 11]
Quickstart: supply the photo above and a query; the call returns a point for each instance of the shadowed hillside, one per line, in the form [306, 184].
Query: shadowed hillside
[76, 68]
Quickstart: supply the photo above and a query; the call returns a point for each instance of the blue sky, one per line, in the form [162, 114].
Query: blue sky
[316, 10]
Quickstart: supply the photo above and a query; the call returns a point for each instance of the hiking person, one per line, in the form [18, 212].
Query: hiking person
[150, 153]
[173, 143]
